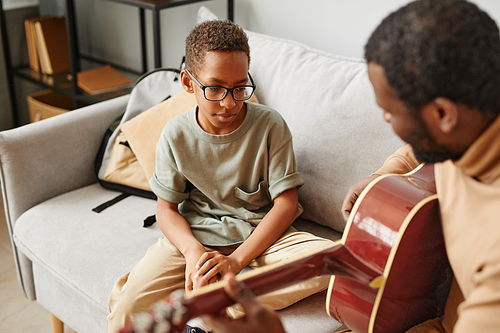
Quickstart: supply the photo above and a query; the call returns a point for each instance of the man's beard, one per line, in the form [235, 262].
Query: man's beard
[434, 152]
[436, 155]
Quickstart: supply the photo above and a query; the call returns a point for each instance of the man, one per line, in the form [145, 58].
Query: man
[435, 69]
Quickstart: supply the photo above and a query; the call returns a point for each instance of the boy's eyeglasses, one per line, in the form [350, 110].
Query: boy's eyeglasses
[218, 93]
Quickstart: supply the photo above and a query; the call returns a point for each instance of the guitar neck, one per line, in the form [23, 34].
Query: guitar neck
[333, 259]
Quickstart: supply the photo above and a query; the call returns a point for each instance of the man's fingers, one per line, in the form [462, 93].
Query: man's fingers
[348, 204]
[221, 323]
[238, 291]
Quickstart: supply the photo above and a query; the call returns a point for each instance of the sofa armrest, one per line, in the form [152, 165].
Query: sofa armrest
[41, 160]
[47, 158]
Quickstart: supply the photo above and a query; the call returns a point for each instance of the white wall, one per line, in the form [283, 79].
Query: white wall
[337, 26]
[13, 4]
[111, 31]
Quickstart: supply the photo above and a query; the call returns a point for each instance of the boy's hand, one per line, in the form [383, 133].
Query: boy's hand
[191, 270]
[212, 266]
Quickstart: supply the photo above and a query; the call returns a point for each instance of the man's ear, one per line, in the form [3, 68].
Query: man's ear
[186, 82]
[443, 113]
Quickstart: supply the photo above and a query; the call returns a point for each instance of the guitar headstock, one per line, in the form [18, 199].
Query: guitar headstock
[165, 316]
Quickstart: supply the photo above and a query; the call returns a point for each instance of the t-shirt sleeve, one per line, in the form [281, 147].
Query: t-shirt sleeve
[283, 174]
[167, 182]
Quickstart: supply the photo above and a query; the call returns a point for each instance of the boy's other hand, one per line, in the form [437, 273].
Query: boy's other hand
[257, 318]
[191, 270]
[213, 265]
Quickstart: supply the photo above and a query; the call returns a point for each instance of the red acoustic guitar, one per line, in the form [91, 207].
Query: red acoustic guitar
[385, 270]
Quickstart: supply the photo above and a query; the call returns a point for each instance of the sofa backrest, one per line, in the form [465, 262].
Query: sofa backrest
[339, 135]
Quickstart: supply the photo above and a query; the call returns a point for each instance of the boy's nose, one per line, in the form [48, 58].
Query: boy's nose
[228, 102]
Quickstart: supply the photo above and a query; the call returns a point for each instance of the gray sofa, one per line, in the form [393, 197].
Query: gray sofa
[68, 257]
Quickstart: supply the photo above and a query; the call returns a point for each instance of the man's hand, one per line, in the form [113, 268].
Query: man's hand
[212, 266]
[257, 318]
[352, 195]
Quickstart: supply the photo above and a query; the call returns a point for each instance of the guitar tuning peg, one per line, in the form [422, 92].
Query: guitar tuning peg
[161, 310]
[178, 316]
[142, 322]
[178, 296]
[163, 327]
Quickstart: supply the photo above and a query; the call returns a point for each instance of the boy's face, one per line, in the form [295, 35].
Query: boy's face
[225, 69]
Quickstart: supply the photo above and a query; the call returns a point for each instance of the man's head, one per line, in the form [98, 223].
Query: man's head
[217, 63]
[440, 56]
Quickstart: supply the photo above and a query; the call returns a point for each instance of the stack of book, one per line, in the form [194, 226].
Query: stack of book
[101, 80]
[48, 53]
[47, 44]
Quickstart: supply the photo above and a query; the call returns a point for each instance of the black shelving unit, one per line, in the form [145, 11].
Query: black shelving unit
[60, 82]
[156, 6]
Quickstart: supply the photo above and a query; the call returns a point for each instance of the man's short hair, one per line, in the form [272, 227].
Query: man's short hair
[440, 48]
[215, 35]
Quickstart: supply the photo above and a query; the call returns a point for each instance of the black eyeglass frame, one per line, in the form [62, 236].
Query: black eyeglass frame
[226, 90]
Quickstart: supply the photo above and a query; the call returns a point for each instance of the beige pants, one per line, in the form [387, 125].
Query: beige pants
[162, 271]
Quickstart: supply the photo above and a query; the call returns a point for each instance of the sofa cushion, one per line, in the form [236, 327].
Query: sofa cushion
[328, 102]
[85, 250]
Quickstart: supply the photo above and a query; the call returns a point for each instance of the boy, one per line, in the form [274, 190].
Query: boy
[226, 182]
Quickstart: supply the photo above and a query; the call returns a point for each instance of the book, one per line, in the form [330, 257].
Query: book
[102, 79]
[30, 42]
[52, 45]
[29, 27]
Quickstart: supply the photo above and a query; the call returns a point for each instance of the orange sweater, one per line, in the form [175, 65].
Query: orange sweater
[469, 200]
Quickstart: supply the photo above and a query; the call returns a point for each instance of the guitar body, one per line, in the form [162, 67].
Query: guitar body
[395, 228]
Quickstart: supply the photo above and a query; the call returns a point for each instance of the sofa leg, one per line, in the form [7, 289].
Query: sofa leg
[57, 325]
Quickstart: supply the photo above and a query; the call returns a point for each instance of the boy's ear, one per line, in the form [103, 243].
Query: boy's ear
[186, 82]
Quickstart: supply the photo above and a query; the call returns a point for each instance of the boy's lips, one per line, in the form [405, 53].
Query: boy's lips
[225, 116]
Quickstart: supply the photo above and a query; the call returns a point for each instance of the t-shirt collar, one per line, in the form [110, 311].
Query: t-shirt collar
[224, 138]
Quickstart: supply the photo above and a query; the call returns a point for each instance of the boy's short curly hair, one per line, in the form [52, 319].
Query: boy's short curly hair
[440, 48]
[214, 35]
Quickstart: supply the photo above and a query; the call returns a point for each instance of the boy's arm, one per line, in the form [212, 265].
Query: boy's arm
[272, 226]
[179, 233]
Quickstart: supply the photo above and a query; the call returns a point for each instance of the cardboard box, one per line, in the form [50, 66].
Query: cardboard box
[48, 103]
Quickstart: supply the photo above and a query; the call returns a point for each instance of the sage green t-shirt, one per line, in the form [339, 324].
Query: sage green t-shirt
[225, 184]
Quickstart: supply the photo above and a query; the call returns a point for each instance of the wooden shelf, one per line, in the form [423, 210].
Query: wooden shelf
[60, 82]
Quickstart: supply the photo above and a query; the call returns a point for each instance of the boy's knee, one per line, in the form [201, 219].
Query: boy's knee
[121, 309]
[123, 303]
